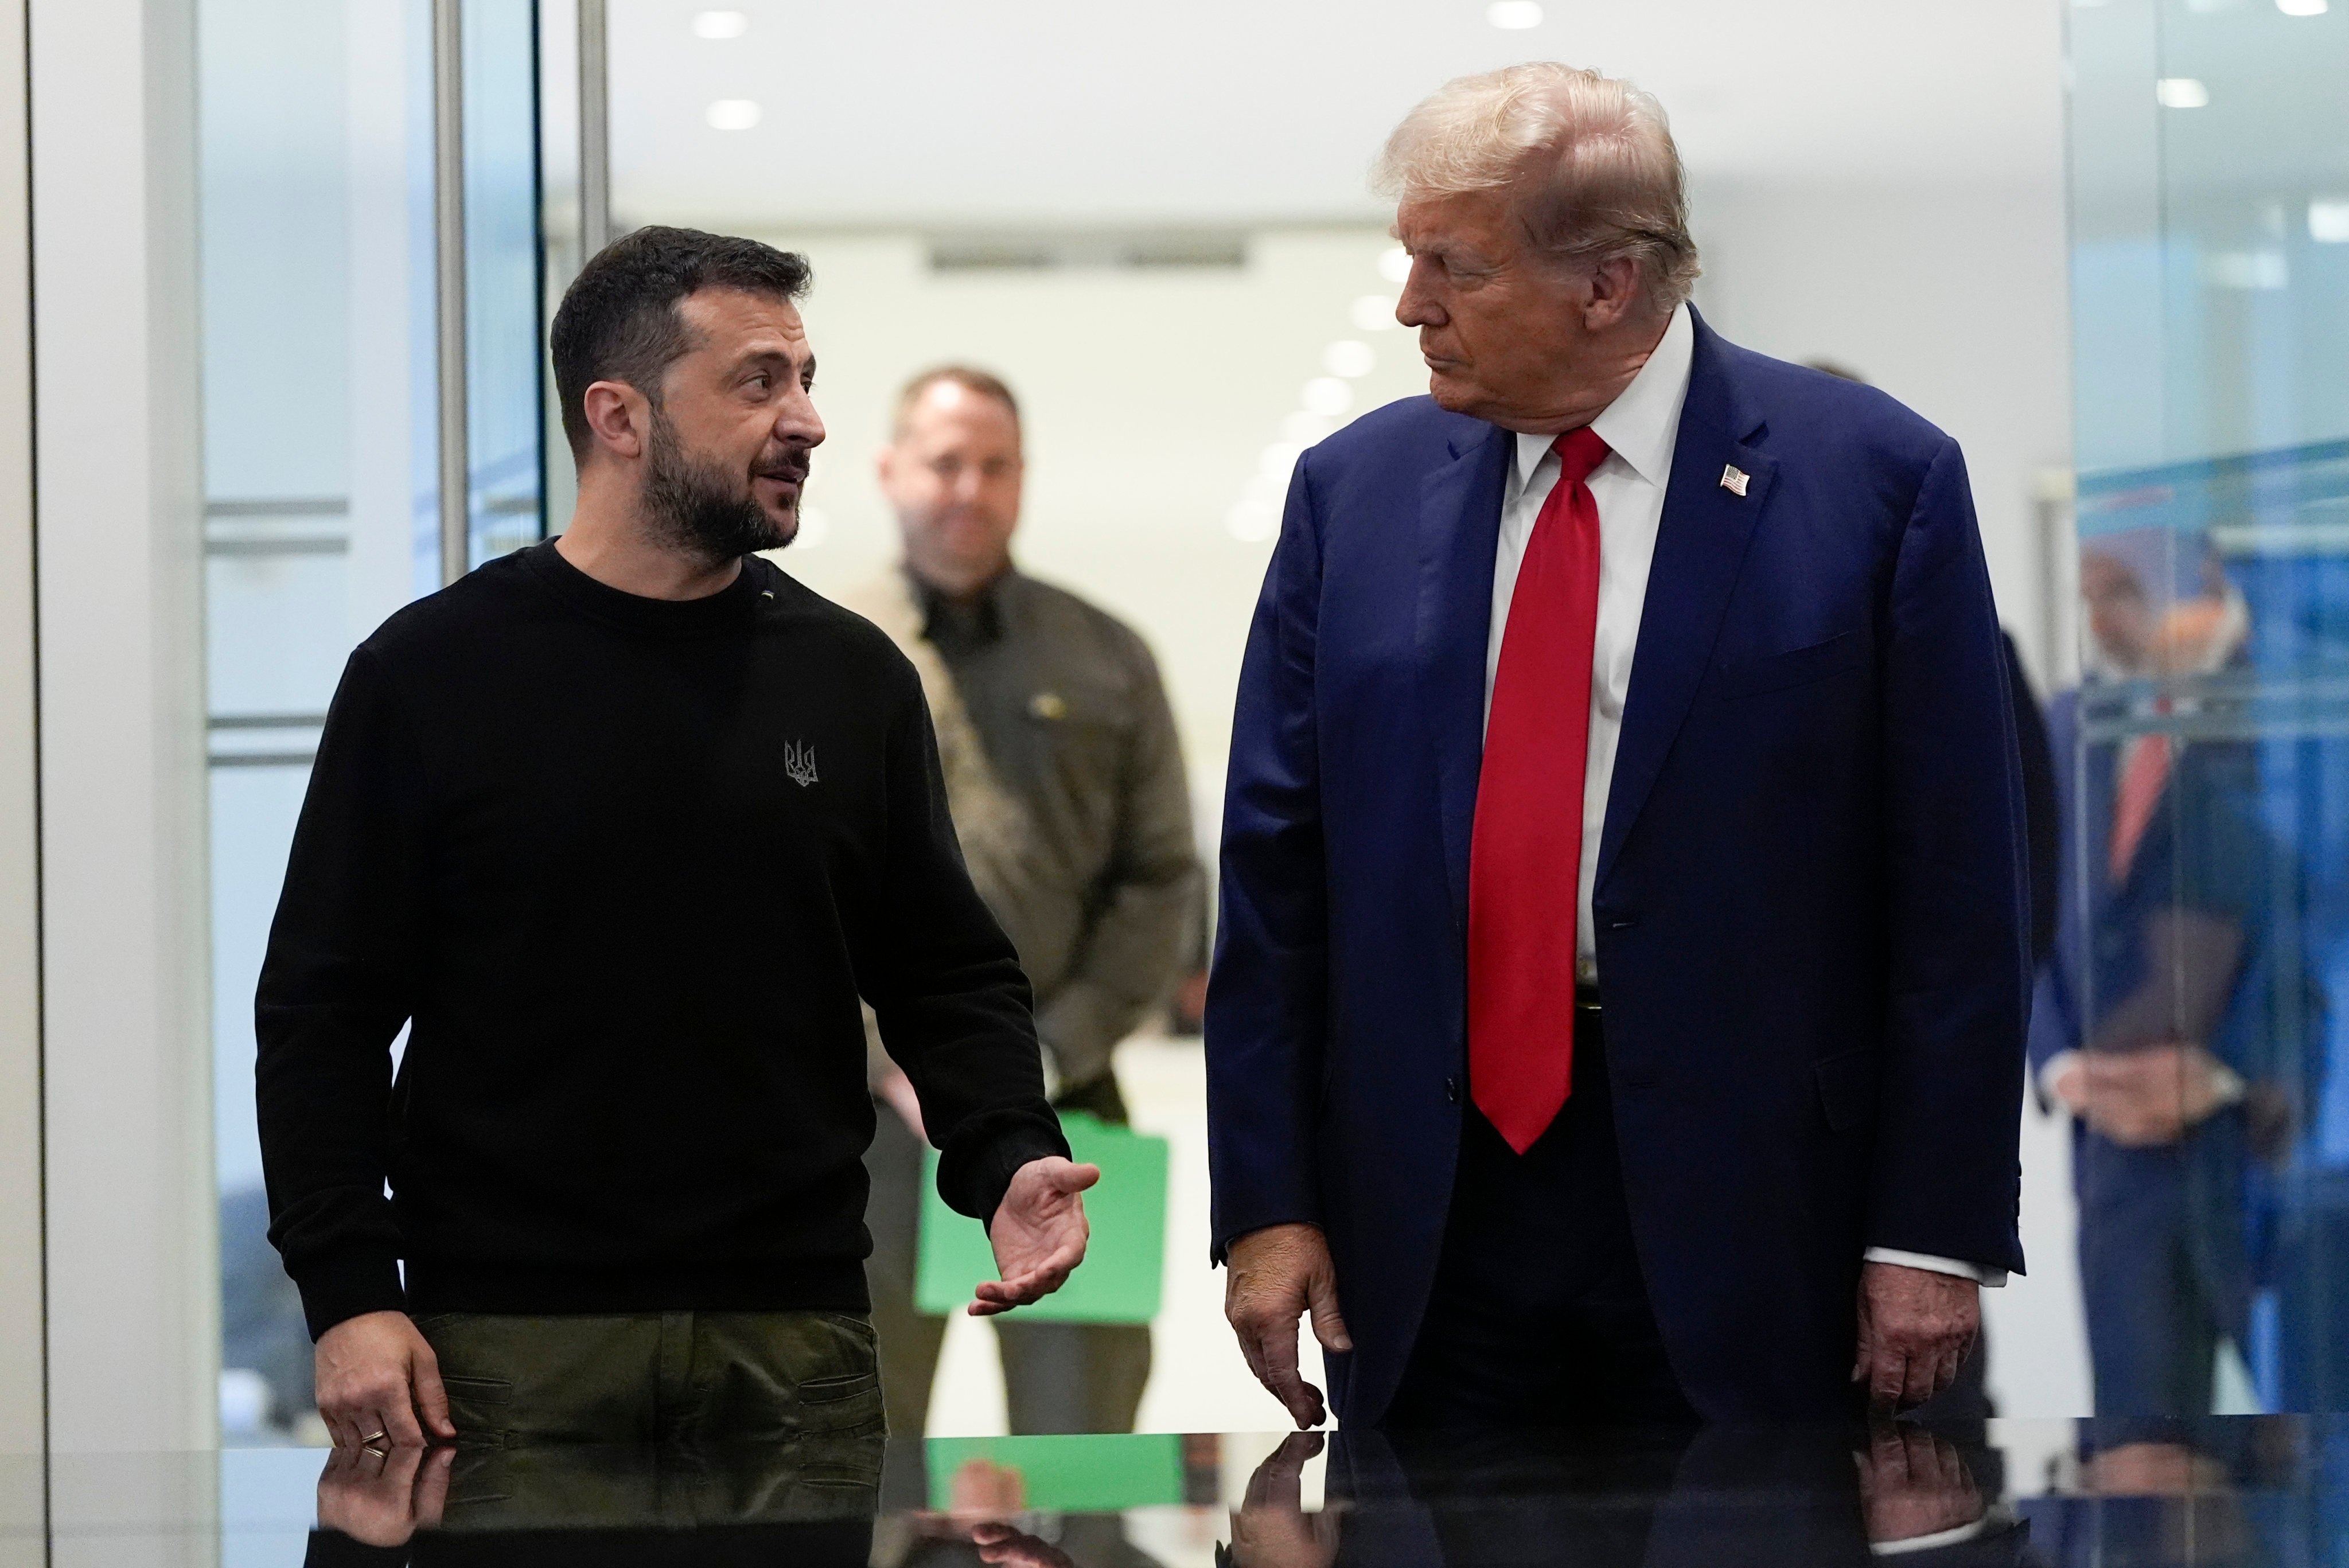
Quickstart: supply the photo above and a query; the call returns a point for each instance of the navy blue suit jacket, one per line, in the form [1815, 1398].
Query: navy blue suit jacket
[1809, 899]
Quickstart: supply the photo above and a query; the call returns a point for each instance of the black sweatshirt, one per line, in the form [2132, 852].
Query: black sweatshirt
[625, 867]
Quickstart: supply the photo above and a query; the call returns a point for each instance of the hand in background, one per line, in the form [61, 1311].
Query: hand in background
[1038, 1233]
[375, 1374]
[2144, 1099]
[381, 1499]
[1915, 1327]
[1914, 1484]
[897, 1090]
[1271, 1278]
[1270, 1529]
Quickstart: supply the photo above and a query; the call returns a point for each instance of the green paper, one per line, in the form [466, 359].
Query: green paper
[1124, 1270]
[1068, 1474]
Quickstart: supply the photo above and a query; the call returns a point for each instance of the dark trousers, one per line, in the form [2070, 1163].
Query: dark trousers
[1539, 1316]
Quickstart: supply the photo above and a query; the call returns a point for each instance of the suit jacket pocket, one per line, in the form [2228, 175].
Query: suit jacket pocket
[1847, 1087]
[1796, 666]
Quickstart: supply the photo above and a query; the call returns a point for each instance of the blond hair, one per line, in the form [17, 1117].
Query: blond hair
[1590, 159]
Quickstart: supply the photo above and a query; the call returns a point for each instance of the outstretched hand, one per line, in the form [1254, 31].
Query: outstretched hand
[1038, 1233]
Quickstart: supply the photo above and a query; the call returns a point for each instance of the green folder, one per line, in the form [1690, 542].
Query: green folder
[1068, 1475]
[1124, 1270]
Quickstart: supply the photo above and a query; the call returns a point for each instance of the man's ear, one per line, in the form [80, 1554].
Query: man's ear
[618, 419]
[1614, 293]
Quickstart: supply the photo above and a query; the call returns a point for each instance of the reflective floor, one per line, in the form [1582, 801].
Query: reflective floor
[2250, 1490]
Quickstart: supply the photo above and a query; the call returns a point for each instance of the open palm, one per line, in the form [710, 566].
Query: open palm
[1038, 1233]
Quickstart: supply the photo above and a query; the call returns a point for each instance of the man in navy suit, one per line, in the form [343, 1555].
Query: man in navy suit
[1620, 991]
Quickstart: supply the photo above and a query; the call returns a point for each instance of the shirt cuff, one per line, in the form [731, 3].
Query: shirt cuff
[1989, 1278]
[1939, 1539]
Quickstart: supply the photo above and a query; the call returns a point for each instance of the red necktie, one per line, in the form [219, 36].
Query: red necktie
[1525, 861]
[2143, 776]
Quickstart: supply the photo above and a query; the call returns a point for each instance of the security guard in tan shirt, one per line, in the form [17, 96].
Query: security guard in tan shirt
[1067, 785]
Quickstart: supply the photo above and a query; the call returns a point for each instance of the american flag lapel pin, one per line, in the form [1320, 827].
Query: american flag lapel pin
[1734, 480]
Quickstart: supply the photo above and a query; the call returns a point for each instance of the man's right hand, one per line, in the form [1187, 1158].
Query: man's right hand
[1270, 1277]
[375, 1375]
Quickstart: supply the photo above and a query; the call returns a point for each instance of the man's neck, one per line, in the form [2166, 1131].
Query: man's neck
[1614, 361]
[609, 542]
[964, 592]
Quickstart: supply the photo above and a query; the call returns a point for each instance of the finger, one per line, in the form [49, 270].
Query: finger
[396, 1421]
[1888, 1374]
[1278, 1349]
[1916, 1385]
[432, 1398]
[1073, 1178]
[1321, 1301]
[432, 1485]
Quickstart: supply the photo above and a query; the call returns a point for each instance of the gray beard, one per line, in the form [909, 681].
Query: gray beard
[699, 509]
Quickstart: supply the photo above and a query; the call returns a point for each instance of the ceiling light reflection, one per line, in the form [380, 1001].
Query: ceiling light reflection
[732, 113]
[2303, 7]
[1350, 358]
[1326, 395]
[2181, 92]
[1373, 313]
[2328, 222]
[1514, 15]
[1304, 427]
[1394, 264]
[720, 25]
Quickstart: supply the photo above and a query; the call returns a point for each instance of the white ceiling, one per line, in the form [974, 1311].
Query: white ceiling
[994, 112]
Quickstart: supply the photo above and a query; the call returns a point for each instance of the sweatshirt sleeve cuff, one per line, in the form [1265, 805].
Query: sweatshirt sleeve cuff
[347, 1285]
[976, 1181]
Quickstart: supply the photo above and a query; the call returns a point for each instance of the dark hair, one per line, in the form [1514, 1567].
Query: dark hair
[968, 377]
[619, 320]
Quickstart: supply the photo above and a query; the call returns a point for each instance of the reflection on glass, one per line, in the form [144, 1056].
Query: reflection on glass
[2191, 1017]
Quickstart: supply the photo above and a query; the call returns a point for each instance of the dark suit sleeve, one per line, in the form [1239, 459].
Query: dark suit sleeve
[1947, 1177]
[1266, 997]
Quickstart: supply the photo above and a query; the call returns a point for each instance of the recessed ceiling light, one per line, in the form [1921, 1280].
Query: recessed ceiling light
[732, 113]
[2181, 92]
[1373, 313]
[1394, 264]
[2303, 7]
[1514, 15]
[1349, 357]
[720, 25]
[2328, 222]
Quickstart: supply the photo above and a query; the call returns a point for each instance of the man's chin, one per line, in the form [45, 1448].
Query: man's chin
[781, 531]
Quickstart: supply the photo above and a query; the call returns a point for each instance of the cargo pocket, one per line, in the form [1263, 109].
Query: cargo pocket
[479, 1407]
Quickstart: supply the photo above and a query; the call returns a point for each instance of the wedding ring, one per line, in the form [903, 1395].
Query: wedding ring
[374, 1439]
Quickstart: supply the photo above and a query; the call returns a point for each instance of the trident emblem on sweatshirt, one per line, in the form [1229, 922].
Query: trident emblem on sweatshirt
[799, 763]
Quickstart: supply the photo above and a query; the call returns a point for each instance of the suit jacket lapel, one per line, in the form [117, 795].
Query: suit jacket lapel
[1459, 536]
[1700, 548]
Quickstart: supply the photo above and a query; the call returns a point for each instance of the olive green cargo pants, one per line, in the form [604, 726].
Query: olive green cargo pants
[685, 1378]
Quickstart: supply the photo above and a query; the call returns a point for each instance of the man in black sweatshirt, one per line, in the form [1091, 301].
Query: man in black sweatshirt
[622, 827]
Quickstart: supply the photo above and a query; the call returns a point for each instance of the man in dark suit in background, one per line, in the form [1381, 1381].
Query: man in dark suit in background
[1620, 992]
[2170, 1023]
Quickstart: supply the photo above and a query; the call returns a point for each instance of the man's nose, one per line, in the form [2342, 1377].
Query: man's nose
[798, 424]
[1418, 306]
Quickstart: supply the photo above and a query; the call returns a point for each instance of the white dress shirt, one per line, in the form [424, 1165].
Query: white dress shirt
[1642, 428]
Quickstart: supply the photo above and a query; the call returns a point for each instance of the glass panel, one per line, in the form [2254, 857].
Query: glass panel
[2204, 964]
[320, 395]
